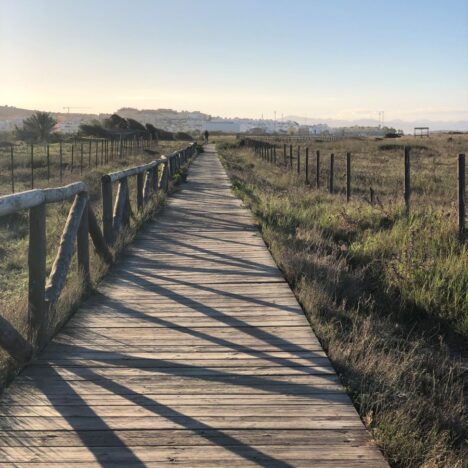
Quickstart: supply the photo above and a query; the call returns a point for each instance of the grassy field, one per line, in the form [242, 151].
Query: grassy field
[14, 238]
[385, 293]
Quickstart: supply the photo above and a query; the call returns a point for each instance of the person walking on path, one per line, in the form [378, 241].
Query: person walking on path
[206, 135]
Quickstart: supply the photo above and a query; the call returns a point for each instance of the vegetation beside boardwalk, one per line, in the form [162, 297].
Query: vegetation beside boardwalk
[386, 294]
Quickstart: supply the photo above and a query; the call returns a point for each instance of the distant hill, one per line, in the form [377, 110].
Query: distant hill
[12, 113]
[169, 115]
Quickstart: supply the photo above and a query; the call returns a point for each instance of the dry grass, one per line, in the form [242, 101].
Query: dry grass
[385, 294]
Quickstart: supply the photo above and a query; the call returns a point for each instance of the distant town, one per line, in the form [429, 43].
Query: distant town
[195, 122]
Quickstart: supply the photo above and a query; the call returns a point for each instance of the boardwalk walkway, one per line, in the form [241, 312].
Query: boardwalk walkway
[194, 352]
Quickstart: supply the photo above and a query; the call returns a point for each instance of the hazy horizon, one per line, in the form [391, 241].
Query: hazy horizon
[324, 60]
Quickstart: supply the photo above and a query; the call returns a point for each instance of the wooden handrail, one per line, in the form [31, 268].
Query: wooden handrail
[24, 200]
[115, 176]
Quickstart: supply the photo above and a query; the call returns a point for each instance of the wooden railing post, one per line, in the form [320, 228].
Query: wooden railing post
[37, 253]
[106, 190]
[140, 182]
[407, 181]
[290, 157]
[165, 176]
[461, 196]
[307, 165]
[332, 168]
[119, 216]
[82, 244]
[348, 176]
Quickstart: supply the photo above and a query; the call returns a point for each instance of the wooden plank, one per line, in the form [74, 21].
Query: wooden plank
[132, 411]
[176, 437]
[263, 455]
[38, 398]
[178, 420]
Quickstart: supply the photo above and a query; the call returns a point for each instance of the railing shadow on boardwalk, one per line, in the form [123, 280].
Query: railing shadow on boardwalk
[169, 368]
[204, 430]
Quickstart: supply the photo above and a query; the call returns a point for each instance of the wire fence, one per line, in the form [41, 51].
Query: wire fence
[28, 166]
[409, 175]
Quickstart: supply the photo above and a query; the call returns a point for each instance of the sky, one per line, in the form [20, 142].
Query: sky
[343, 59]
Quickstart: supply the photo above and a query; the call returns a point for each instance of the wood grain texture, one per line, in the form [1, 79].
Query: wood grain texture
[194, 352]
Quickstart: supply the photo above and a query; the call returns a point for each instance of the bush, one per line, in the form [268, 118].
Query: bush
[183, 136]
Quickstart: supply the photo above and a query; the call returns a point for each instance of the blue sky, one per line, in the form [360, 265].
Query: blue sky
[329, 59]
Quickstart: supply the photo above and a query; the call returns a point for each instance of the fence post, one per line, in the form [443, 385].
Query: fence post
[461, 196]
[89, 154]
[284, 153]
[407, 182]
[332, 168]
[82, 245]
[32, 166]
[106, 190]
[317, 169]
[61, 161]
[307, 165]
[298, 160]
[37, 253]
[348, 176]
[274, 154]
[12, 169]
[48, 162]
[290, 158]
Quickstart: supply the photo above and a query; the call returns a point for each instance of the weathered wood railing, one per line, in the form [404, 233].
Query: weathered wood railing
[44, 292]
[149, 179]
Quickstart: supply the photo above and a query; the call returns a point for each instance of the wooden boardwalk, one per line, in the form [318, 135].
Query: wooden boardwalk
[195, 352]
